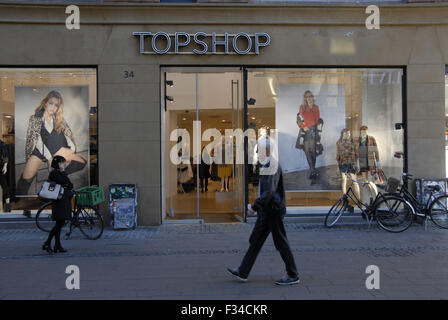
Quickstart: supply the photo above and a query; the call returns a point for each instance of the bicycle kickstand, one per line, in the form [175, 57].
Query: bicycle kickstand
[369, 218]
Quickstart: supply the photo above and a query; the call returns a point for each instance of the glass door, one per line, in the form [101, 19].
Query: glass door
[205, 106]
[178, 114]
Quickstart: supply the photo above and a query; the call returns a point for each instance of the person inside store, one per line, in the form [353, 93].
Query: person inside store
[271, 209]
[48, 135]
[204, 170]
[310, 124]
[61, 209]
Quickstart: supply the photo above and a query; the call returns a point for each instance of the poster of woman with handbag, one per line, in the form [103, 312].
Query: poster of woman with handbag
[310, 124]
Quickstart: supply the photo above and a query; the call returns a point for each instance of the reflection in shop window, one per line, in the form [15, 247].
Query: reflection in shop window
[47, 112]
[446, 121]
[329, 121]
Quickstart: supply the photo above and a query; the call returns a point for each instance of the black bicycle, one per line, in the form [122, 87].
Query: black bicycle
[87, 218]
[435, 207]
[391, 212]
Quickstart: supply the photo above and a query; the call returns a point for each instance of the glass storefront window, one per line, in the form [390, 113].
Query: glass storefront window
[328, 121]
[446, 121]
[47, 112]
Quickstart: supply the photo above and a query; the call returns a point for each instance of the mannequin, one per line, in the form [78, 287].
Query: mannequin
[368, 158]
[346, 157]
[224, 169]
[3, 181]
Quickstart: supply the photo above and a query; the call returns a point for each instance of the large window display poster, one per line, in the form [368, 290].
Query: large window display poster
[50, 121]
[347, 123]
[307, 135]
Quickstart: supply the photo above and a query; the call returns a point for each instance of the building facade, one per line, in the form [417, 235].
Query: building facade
[135, 73]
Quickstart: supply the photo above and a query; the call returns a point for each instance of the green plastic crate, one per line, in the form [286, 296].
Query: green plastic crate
[90, 196]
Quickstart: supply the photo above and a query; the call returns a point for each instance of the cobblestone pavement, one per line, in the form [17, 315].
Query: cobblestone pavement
[188, 262]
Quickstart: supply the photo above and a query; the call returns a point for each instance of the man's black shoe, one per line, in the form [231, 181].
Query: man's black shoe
[287, 280]
[236, 274]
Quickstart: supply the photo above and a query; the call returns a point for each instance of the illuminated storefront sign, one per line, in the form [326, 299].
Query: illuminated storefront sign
[203, 43]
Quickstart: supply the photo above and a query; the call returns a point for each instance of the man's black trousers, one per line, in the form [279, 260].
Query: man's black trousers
[263, 226]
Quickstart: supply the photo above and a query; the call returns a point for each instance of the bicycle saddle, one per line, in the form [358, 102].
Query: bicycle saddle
[433, 188]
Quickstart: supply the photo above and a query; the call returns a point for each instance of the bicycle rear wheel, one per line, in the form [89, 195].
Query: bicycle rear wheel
[438, 211]
[90, 222]
[335, 212]
[43, 218]
[393, 213]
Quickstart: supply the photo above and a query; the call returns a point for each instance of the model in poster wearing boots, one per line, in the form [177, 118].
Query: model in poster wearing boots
[310, 124]
[48, 135]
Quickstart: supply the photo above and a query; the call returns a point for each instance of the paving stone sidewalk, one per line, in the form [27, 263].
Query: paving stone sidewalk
[189, 261]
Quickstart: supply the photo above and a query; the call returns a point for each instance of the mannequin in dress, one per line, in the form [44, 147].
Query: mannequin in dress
[346, 158]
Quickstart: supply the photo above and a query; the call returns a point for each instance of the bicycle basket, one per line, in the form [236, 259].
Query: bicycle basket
[89, 196]
[392, 185]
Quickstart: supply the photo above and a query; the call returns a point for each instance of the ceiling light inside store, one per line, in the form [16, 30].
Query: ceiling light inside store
[253, 118]
[9, 117]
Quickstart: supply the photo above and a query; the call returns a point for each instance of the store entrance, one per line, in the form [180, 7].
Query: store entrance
[202, 109]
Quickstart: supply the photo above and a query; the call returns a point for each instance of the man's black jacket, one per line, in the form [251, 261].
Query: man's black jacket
[272, 191]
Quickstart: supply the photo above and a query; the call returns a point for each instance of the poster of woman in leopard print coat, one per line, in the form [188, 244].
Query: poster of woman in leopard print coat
[47, 134]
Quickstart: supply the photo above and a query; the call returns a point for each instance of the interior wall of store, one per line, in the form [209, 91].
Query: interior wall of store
[302, 35]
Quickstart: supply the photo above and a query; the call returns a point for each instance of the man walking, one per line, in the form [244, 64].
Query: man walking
[271, 209]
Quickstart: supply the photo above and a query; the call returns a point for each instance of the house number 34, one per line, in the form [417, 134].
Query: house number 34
[128, 74]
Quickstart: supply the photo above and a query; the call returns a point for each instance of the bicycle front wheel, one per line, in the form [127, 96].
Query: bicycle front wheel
[393, 213]
[335, 212]
[438, 211]
[43, 218]
[90, 222]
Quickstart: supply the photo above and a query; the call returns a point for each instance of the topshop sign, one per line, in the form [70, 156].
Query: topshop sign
[201, 43]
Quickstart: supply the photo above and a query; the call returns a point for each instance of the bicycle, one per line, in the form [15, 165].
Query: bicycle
[85, 217]
[435, 207]
[391, 212]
